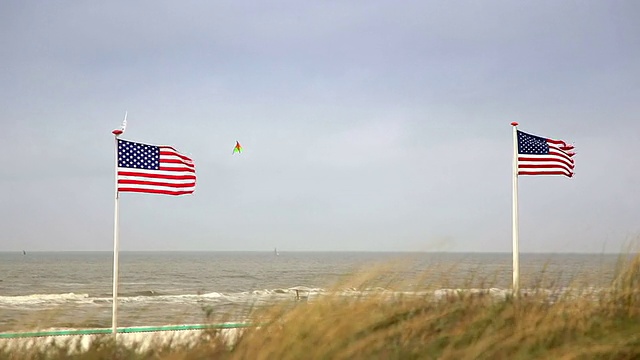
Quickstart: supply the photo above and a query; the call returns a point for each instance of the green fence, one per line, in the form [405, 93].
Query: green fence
[123, 330]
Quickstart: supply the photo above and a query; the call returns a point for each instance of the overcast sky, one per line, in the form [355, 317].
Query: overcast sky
[367, 125]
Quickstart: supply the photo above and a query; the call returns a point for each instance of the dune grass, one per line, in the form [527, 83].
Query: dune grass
[578, 324]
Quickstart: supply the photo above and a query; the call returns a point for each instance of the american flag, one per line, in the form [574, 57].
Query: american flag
[154, 169]
[541, 156]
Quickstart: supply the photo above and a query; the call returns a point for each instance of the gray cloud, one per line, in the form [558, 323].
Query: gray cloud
[382, 126]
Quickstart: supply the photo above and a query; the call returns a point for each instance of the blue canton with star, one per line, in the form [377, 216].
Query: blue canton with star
[138, 156]
[531, 144]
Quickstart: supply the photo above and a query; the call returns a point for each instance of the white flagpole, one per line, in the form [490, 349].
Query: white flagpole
[516, 255]
[114, 313]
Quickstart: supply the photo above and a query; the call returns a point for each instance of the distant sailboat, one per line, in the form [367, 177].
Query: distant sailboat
[275, 252]
[24, 252]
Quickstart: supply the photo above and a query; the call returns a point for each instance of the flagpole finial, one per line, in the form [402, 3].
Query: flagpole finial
[514, 124]
[117, 132]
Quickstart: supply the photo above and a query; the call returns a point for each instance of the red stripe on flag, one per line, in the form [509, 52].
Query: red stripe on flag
[175, 161]
[155, 191]
[156, 183]
[565, 173]
[168, 168]
[527, 160]
[156, 176]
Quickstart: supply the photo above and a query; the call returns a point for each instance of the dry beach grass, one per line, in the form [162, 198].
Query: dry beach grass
[579, 324]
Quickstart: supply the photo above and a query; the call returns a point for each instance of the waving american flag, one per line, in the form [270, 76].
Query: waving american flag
[542, 156]
[154, 169]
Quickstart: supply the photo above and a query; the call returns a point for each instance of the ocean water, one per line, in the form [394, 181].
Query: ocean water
[74, 289]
